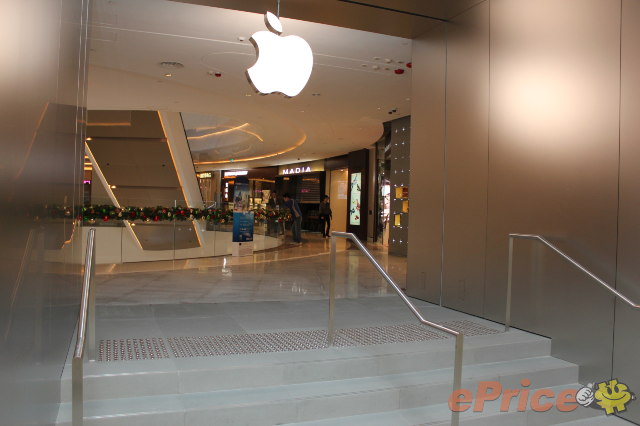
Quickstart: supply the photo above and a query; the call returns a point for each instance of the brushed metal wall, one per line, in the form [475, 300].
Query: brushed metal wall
[627, 343]
[539, 155]
[427, 164]
[553, 170]
[467, 124]
[41, 132]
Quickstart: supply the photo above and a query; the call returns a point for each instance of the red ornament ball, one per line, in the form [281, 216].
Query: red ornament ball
[399, 71]
[106, 218]
[156, 218]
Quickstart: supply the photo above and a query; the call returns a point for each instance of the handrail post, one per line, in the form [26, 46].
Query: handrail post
[86, 325]
[91, 318]
[77, 391]
[457, 375]
[331, 331]
[507, 317]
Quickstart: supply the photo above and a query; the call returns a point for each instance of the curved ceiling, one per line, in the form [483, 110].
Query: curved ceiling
[352, 89]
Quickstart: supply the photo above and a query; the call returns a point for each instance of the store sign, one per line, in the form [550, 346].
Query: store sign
[235, 173]
[298, 169]
[205, 175]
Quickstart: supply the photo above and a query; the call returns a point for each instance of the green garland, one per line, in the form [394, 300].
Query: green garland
[108, 213]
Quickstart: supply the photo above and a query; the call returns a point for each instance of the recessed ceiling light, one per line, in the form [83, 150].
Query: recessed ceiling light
[387, 60]
[376, 58]
[363, 65]
[247, 94]
[376, 67]
[171, 65]
[168, 74]
[240, 38]
[315, 94]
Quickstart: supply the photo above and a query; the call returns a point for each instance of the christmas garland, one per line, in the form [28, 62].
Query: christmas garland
[106, 213]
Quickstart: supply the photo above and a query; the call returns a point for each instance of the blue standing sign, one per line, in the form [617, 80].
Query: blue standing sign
[242, 217]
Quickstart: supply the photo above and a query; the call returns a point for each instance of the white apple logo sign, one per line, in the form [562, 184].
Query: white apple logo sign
[284, 63]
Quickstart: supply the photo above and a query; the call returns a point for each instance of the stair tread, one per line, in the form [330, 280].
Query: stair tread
[440, 414]
[258, 360]
[262, 395]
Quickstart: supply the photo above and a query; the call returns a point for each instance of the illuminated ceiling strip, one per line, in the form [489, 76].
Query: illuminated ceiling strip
[103, 179]
[175, 166]
[107, 124]
[236, 160]
[33, 140]
[112, 196]
[228, 130]
[231, 129]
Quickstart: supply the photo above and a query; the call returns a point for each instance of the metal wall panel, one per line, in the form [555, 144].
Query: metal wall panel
[627, 339]
[427, 164]
[553, 157]
[41, 136]
[466, 160]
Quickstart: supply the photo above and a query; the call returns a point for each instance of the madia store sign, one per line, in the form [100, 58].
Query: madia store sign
[302, 168]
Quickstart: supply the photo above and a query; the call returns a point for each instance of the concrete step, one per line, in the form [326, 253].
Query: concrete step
[328, 399]
[439, 414]
[114, 380]
[598, 421]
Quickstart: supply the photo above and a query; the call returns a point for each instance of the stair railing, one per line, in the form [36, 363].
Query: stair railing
[457, 365]
[611, 289]
[86, 331]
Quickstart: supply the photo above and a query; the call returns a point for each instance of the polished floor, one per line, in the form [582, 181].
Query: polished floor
[288, 273]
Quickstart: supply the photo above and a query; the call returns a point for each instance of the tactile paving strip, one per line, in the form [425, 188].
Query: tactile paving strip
[132, 349]
[470, 328]
[184, 347]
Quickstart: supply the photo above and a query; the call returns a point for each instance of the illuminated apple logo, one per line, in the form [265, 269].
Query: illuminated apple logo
[284, 63]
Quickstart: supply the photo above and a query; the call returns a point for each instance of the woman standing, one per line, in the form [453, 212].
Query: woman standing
[325, 216]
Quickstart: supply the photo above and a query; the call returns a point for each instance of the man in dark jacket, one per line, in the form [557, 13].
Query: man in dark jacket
[296, 227]
[325, 216]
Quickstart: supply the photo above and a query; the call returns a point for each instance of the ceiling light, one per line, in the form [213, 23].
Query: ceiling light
[284, 64]
[168, 74]
[171, 65]
[240, 38]
[315, 94]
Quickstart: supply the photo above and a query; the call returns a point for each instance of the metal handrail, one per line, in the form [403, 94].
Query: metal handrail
[457, 365]
[507, 322]
[86, 330]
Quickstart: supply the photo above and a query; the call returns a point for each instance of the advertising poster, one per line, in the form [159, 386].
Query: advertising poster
[356, 194]
[242, 217]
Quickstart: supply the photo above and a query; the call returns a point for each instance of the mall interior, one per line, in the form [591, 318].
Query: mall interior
[478, 159]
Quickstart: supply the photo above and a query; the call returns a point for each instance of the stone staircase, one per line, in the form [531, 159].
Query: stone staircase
[394, 375]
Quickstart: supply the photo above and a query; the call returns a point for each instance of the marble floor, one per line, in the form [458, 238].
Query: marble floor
[288, 273]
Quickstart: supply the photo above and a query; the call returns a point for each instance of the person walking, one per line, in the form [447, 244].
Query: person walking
[325, 216]
[296, 227]
[273, 226]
